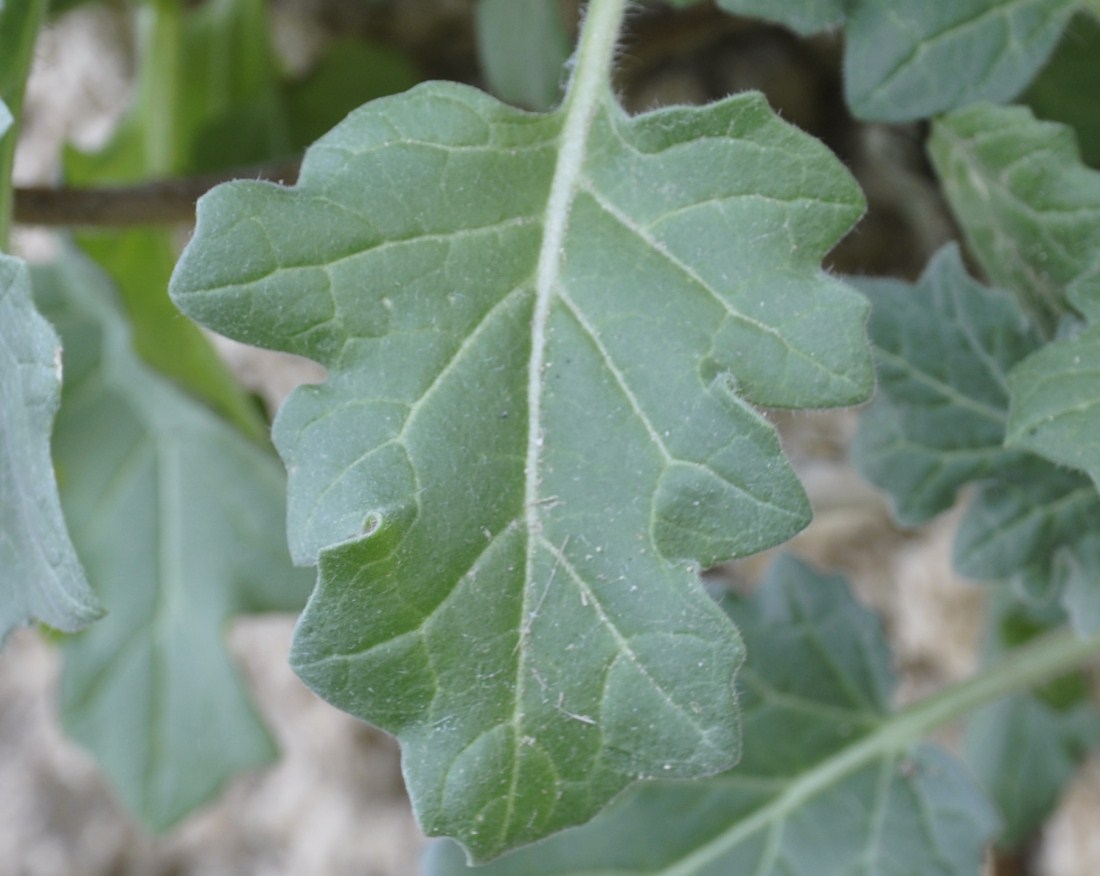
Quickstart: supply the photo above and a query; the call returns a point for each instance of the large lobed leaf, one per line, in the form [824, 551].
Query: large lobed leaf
[536, 426]
[830, 782]
[40, 576]
[178, 519]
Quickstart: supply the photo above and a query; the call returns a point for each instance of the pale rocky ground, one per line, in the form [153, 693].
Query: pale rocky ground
[334, 804]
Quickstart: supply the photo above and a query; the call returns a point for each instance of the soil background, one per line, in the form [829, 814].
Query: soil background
[334, 804]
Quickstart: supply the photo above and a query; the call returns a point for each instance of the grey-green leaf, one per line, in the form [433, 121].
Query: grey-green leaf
[944, 347]
[523, 47]
[820, 790]
[40, 576]
[1055, 409]
[536, 425]
[1024, 751]
[1021, 525]
[909, 59]
[179, 521]
[1030, 209]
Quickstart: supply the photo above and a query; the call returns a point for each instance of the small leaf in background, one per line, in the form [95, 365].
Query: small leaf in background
[522, 46]
[1067, 90]
[1025, 524]
[913, 59]
[1056, 403]
[1031, 211]
[945, 348]
[40, 576]
[1024, 748]
[1028, 206]
[179, 522]
[822, 787]
[804, 17]
[529, 443]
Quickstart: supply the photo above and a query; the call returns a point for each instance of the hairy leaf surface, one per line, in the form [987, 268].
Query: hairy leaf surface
[822, 788]
[542, 336]
[178, 519]
[945, 348]
[40, 576]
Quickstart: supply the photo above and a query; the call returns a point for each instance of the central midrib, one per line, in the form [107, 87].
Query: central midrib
[583, 99]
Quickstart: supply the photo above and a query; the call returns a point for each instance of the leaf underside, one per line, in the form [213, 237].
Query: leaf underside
[508, 551]
[178, 520]
[815, 686]
[40, 576]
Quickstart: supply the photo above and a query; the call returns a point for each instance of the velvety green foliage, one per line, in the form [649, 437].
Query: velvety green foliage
[822, 788]
[1028, 206]
[910, 59]
[943, 350]
[945, 347]
[1031, 211]
[523, 46]
[178, 520]
[509, 499]
[40, 576]
[1025, 748]
[1024, 751]
[1056, 403]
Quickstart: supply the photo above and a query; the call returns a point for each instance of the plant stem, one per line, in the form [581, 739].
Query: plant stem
[1019, 670]
[19, 24]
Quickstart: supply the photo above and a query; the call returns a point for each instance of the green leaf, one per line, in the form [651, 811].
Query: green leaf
[1055, 408]
[542, 335]
[802, 16]
[1024, 752]
[1025, 748]
[943, 347]
[1067, 90]
[1029, 208]
[40, 576]
[829, 783]
[178, 520]
[910, 59]
[1021, 524]
[523, 47]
